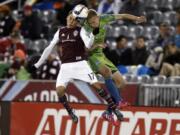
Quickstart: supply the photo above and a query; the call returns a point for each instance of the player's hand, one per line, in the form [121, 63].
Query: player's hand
[95, 46]
[32, 69]
[101, 46]
[141, 19]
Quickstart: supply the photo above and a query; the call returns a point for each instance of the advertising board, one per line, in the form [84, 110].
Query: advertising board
[52, 119]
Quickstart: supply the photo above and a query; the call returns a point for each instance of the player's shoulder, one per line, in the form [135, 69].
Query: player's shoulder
[106, 15]
[106, 18]
[65, 27]
[62, 27]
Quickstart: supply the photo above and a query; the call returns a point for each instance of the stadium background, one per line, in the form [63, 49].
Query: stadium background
[147, 55]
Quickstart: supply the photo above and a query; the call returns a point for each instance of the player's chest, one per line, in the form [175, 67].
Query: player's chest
[101, 34]
[69, 36]
[102, 30]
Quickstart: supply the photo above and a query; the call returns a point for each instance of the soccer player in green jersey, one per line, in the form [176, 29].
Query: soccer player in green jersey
[113, 79]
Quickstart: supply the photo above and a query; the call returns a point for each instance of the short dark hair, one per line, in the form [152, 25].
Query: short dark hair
[166, 49]
[120, 38]
[140, 37]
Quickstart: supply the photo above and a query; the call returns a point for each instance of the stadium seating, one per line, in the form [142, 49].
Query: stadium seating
[38, 12]
[36, 46]
[159, 79]
[146, 79]
[173, 80]
[151, 32]
[15, 14]
[128, 77]
[29, 46]
[150, 44]
[151, 4]
[48, 16]
[176, 4]
[46, 32]
[170, 17]
[165, 5]
[119, 30]
[111, 43]
[135, 31]
[109, 30]
[155, 17]
[137, 79]
[40, 44]
[122, 69]
[172, 30]
[130, 44]
[155, 14]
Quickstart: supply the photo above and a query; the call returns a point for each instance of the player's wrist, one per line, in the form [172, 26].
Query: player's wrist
[137, 18]
[36, 66]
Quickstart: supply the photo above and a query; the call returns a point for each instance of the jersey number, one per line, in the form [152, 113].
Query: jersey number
[91, 76]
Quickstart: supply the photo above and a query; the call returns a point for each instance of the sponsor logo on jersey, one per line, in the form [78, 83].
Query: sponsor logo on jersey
[75, 33]
[78, 57]
[62, 34]
[68, 36]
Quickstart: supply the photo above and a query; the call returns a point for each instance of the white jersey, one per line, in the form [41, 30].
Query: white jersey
[79, 70]
[87, 38]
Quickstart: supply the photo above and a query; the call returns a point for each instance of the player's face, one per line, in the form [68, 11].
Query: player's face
[140, 43]
[94, 22]
[164, 29]
[71, 21]
[122, 43]
[27, 12]
[172, 49]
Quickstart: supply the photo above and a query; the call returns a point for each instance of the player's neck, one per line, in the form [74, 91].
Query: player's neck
[70, 26]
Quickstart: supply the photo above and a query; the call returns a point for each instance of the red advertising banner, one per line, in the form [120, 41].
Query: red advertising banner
[52, 119]
[44, 91]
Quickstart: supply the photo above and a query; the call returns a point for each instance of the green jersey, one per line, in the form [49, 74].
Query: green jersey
[100, 37]
[97, 57]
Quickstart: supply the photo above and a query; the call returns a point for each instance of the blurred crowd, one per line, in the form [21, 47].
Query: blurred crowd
[21, 29]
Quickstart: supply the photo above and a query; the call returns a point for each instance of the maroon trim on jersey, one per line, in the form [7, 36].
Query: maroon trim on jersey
[71, 46]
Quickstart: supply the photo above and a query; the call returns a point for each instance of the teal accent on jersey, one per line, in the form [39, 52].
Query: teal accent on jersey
[104, 20]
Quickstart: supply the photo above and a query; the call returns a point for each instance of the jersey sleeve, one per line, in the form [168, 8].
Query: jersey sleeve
[48, 50]
[87, 37]
[107, 18]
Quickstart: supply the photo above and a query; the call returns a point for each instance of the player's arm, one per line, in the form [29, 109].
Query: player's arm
[48, 50]
[137, 19]
[87, 37]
